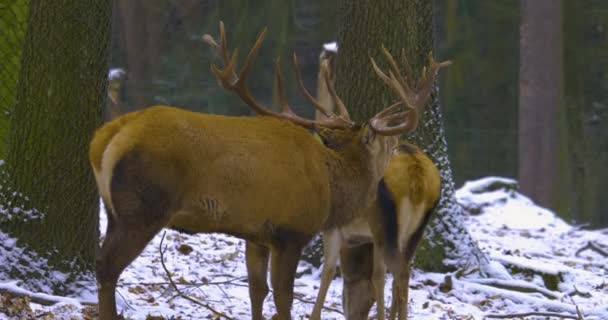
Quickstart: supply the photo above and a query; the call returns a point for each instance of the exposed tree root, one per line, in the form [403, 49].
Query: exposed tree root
[593, 247]
[539, 314]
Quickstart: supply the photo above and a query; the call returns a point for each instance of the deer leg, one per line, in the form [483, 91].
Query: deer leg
[122, 244]
[356, 264]
[331, 253]
[394, 300]
[284, 261]
[396, 266]
[401, 277]
[403, 298]
[257, 270]
[378, 274]
[140, 211]
[406, 261]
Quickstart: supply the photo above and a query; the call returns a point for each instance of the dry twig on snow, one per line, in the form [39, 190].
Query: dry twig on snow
[179, 292]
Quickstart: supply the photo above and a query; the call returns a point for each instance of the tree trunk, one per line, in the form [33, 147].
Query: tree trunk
[144, 23]
[586, 110]
[13, 23]
[62, 91]
[540, 96]
[364, 27]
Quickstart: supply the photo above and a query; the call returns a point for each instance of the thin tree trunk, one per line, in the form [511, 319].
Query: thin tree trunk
[586, 148]
[60, 98]
[144, 25]
[583, 194]
[540, 95]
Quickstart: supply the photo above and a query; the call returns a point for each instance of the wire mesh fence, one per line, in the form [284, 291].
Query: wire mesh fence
[53, 57]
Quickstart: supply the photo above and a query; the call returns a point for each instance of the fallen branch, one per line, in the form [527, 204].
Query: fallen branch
[41, 298]
[551, 274]
[578, 310]
[579, 313]
[204, 305]
[530, 314]
[517, 285]
[593, 247]
[189, 284]
[576, 292]
[463, 285]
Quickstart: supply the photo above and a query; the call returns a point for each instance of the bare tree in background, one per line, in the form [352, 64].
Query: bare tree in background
[540, 98]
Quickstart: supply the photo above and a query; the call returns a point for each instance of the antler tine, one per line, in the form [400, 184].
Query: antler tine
[425, 85]
[406, 64]
[253, 53]
[230, 81]
[414, 94]
[401, 89]
[285, 108]
[222, 51]
[223, 42]
[395, 68]
[408, 123]
[342, 110]
[228, 78]
[394, 107]
[429, 74]
[381, 73]
[342, 115]
[305, 92]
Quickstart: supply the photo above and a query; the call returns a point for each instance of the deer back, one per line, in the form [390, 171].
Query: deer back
[233, 174]
[408, 191]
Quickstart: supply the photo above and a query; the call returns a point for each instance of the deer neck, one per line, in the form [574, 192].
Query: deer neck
[352, 185]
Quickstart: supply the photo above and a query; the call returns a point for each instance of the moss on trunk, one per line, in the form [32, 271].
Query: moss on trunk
[62, 89]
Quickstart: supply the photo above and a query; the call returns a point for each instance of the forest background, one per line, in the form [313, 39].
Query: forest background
[158, 43]
[479, 93]
[499, 121]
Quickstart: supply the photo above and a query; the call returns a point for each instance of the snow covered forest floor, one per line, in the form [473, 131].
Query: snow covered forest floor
[556, 267]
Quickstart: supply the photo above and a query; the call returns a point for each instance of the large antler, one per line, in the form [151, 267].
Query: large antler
[414, 95]
[229, 80]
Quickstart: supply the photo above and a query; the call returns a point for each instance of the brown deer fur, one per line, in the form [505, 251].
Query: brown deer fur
[259, 178]
[265, 179]
[394, 223]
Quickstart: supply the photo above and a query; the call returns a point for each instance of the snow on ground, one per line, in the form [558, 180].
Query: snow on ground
[539, 248]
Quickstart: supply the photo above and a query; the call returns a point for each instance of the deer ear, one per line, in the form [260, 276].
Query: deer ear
[368, 135]
[326, 136]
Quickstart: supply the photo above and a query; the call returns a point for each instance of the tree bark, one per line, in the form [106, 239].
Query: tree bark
[13, 23]
[365, 26]
[62, 91]
[540, 96]
[586, 110]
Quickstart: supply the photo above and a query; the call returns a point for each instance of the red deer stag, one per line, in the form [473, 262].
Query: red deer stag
[265, 179]
[405, 198]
